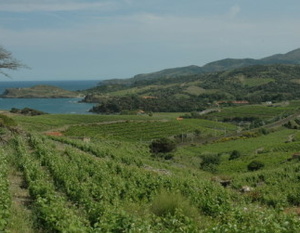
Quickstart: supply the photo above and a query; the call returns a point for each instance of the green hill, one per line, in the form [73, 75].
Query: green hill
[292, 57]
[255, 84]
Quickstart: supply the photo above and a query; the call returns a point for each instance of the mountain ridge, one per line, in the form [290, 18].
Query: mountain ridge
[291, 57]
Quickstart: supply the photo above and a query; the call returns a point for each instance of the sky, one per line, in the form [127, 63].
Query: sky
[107, 39]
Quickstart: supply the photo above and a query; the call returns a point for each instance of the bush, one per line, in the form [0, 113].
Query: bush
[255, 165]
[263, 131]
[234, 155]
[167, 203]
[27, 111]
[197, 132]
[209, 162]
[162, 148]
[163, 145]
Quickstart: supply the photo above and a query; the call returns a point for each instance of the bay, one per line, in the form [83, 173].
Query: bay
[53, 106]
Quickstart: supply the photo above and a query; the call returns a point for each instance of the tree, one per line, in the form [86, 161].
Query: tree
[210, 162]
[7, 61]
[255, 165]
[162, 148]
[234, 155]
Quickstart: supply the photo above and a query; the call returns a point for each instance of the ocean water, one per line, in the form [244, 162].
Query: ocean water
[54, 106]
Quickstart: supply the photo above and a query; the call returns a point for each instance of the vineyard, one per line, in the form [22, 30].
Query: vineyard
[256, 111]
[131, 130]
[113, 183]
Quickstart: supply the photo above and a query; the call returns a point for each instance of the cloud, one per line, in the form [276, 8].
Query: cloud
[50, 6]
[234, 11]
[148, 29]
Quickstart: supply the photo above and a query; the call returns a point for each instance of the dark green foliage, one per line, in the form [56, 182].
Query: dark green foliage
[292, 124]
[294, 198]
[255, 165]
[27, 111]
[210, 162]
[234, 155]
[260, 83]
[164, 103]
[163, 148]
[197, 132]
[162, 145]
[263, 131]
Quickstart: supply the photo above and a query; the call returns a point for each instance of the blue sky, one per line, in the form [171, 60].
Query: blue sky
[105, 39]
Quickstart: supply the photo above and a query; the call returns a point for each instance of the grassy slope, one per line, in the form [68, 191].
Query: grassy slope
[125, 161]
[249, 81]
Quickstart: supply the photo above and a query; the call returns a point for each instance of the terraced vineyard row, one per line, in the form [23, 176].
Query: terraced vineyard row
[52, 210]
[75, 191]
[46, 122]
[5, 198]
[147, 130]
[117, 185]
[103, 188]
[261, 112]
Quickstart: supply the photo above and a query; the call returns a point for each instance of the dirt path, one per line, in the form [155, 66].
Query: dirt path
[21, 220]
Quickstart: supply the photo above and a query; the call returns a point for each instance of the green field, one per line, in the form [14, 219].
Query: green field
[251, 82]
[100, 175]
[147, 130]
[258, 111]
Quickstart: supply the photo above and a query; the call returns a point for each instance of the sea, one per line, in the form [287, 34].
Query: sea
[52, 106]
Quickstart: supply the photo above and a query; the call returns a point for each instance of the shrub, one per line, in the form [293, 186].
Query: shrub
[197, 132]
[209, 162]
[234, 155]
[163, 145]
[263, 131]
[166, 203]
[162, 148]
[255, 165]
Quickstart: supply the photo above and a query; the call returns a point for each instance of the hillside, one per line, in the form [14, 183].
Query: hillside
[292, 57]
[39, 91]
[254, 84]
[98, 173]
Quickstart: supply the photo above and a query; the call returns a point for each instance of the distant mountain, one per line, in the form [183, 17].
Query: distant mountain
[173, 72]
[292, 57]
[228, 64]
[167, 73]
